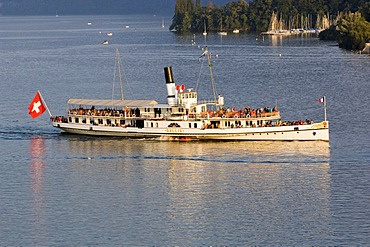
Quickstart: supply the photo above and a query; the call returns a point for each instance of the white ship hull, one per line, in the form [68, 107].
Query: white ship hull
[312, 132]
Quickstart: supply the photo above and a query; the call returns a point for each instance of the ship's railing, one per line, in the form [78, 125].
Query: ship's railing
[237, 114]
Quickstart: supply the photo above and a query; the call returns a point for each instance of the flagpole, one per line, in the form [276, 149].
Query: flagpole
[325, 108]
[47, 108]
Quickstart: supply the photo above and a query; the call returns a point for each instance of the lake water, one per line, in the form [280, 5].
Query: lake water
[62, 190]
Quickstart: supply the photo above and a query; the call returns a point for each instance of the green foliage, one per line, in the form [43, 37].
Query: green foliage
[354, 32]
[255, 15]
[233, 16]
[329, 34]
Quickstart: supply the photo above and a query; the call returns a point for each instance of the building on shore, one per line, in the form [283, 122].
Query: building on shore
[366, 50]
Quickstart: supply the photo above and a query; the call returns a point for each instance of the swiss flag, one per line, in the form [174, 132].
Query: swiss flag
[36, 107]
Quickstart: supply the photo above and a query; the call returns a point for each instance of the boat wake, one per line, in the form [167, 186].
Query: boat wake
[251, 160]
[19, 133]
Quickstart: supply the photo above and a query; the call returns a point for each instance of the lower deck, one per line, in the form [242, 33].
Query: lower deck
[211, 129]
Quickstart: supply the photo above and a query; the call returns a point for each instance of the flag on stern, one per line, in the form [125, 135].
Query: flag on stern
[322, 100]
[36, 107]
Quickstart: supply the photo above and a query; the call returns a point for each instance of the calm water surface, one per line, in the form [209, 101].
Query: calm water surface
[74, 190]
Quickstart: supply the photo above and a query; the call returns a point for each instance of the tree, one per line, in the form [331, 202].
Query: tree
[354, 32]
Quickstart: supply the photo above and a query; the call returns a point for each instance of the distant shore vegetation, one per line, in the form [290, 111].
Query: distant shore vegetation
[351, 29]
[352, 32]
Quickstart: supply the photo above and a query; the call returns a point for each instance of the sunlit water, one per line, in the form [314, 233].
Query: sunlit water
[64, 190]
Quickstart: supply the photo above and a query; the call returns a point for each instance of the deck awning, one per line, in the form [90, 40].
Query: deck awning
[112, 103]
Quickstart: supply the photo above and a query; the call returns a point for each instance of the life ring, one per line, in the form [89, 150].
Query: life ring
[324, 124]
[236, 116]
[121, 115]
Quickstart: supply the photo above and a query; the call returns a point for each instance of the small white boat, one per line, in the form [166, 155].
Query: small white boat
[205, 29]
[184, 117]
[221, 32]
[105, 42]
[109, 33]
[89, 23]
[236, 31]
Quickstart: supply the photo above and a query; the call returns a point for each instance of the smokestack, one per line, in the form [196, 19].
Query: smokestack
[171, 88]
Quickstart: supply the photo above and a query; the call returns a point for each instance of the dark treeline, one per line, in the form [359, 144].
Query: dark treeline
[89, 7]
[255, 15]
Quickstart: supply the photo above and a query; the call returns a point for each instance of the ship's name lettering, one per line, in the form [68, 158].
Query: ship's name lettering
[174, 130]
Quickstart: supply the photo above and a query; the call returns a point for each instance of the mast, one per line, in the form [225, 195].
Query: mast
[325, 107]
[209, 56]
[119, 73]
[43, 101]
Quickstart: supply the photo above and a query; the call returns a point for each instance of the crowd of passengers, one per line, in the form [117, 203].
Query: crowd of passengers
[104, 112]
[223, 112]
[247, 112]
[238, 124]
[244, 113]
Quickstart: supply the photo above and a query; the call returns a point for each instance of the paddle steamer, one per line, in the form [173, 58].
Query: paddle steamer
[184, 117]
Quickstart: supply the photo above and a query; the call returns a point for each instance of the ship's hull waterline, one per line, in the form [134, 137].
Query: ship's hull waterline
[314, 132]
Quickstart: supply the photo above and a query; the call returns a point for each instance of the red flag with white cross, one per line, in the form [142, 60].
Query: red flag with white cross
[36, 107]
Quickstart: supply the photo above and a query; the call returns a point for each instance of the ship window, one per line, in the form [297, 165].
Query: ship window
[122, 122]
[91, 121]
[195, 125]
[190, 125]
[70, 119]
[151, 124]
[156, 125]
[77, 120]
[84, 120]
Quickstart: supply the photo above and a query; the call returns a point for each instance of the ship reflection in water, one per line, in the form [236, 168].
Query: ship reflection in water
[37, 155]
[281, 186]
